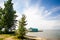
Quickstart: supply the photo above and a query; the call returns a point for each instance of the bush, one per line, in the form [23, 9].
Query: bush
[0, 32]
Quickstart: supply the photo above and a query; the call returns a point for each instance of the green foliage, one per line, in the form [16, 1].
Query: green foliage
[9, 16]
[21, 27]
[1, 19]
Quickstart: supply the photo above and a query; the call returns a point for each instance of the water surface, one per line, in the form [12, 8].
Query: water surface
[49, 34]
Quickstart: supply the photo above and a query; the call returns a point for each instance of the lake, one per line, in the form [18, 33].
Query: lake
[49, 34]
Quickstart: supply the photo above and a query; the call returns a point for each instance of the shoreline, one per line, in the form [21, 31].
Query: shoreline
[35, 38]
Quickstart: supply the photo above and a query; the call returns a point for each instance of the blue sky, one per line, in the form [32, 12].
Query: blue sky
[50, 3]
[42, 14]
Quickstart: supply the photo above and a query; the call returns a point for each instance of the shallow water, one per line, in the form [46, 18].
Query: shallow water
[49, 34]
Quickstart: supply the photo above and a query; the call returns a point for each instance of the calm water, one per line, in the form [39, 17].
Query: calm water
[49, 34]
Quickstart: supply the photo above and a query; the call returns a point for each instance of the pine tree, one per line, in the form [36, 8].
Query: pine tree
[1, 18]
[9, 16]
[21, 27]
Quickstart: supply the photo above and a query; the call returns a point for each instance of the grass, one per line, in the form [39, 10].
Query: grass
[8, 37]
[1, 38]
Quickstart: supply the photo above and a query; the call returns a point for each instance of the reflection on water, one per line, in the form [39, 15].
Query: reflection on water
[49, 34]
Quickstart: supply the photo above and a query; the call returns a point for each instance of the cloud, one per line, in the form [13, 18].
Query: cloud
[37, 15]
[35, 18]
[20, 5]
[52, 11]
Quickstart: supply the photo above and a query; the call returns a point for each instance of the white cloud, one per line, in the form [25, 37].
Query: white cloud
[35, 18]
[52, 11]
[18, 16]
[34, 15]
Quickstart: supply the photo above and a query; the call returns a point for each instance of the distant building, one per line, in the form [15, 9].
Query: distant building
[33, 29]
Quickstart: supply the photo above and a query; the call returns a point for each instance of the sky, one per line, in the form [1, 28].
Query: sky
[41, 14]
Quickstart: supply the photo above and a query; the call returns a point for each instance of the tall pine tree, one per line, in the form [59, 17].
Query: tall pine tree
[1, 18]
[21, 27]
[9, 16]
